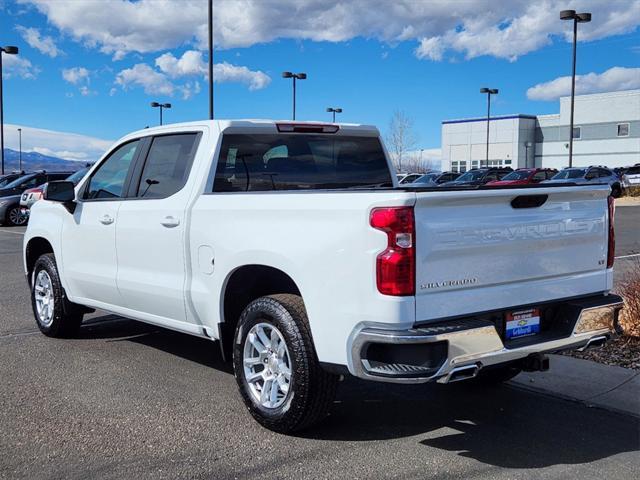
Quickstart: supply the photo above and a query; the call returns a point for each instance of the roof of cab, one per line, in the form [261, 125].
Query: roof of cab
[223, 124]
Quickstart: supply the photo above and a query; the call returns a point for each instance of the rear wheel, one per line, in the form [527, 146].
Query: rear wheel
[276, 367]
[15, 216]
[55, 315]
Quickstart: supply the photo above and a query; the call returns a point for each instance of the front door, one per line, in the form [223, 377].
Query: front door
[89, 235]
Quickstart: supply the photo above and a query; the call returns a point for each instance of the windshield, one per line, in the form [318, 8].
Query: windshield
[6, 181]
[429, 177]
[471, 176]
[18, 181]
[262, 162]
[569, 173]
[76, 177]
[517, 175]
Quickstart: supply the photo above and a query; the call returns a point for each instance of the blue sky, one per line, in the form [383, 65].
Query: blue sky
[93, 70]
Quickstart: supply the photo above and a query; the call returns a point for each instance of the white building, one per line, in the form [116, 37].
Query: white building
[606, 132]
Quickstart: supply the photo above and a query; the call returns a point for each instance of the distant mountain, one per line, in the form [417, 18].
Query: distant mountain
[36, 161]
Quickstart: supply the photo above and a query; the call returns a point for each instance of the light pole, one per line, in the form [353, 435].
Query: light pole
[9, 50]
[20, 149]
[577, 18]
[489, 92]
[295, 76]
[161, 106]
[210, 60]
[334, 111]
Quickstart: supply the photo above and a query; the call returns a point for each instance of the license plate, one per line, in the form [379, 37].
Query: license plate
[522, 323]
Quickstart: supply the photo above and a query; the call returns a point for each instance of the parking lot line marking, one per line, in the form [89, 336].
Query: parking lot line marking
[629, 256]
[12, 233]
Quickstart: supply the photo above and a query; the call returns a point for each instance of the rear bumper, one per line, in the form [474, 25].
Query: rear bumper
[439, 351]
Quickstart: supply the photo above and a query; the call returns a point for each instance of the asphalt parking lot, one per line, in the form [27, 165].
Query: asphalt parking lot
[126, 400]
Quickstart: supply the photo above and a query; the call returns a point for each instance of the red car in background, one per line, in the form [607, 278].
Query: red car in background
[523, 176]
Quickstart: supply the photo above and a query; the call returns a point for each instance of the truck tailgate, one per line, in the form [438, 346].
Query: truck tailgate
[476, 252]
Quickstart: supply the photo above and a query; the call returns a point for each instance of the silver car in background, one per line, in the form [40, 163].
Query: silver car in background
[589, 175]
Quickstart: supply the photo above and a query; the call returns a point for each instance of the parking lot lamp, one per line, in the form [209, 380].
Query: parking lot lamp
[161, 106]
[489, 92]
[210, 38]
[295, 76]
[9, 50]
[576, 18]
[20, 149]
[334, 111]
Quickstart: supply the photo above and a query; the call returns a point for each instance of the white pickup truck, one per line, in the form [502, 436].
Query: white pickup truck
[293, 246]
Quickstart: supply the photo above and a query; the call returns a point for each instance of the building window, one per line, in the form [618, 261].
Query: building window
[577, 132]
[623, 129]
[454, 166]
[474, 163]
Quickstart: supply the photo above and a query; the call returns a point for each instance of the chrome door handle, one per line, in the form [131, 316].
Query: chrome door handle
[106, 219]
[170, 222]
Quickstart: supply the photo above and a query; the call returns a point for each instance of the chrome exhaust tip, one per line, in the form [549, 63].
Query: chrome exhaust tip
[595, 342]
[461, 373]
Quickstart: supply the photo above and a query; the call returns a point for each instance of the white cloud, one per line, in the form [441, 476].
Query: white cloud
[44, 44]
[75, 75]
[70, 146]
[18, 66]
[225, 72]
[191, 63]
[152, 81]
[431, 48]
[79, 76]
[616, 78]
[502, 28]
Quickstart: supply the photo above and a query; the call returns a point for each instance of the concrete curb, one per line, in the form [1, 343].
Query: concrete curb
[592, 384]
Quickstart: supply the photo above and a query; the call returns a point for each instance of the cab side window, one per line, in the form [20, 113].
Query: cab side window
[167, 165]
[107, 182]
[539, 176]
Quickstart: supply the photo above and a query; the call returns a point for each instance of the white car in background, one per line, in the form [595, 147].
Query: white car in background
[631, 177]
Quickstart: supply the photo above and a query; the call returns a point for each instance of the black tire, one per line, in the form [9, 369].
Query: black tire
[496, 375]
[616, 191]
[14, 217]
[311, 390]
[66, 316]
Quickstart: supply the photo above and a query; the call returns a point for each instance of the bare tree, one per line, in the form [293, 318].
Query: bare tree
[416, 162]
[401, 138]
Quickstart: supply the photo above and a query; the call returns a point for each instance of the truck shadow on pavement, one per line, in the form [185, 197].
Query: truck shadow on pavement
[501, 426]
[114, 328]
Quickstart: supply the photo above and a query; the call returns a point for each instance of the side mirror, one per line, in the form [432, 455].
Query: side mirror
[59, 191]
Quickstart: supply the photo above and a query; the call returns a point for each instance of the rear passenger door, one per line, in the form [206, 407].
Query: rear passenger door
[150, 235]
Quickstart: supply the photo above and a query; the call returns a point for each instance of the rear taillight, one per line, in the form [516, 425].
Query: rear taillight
[396, 266]
[611, 244]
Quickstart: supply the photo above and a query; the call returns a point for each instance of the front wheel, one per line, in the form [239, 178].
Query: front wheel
[55, 315]
[276, 367]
